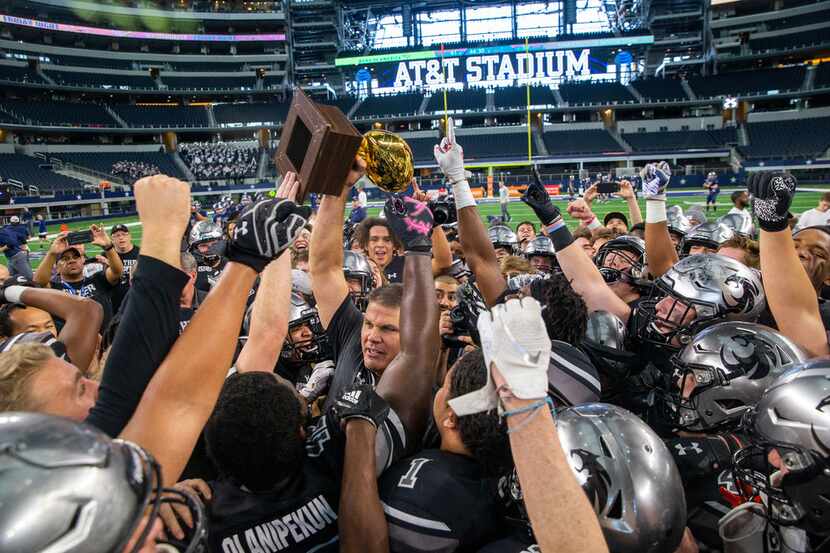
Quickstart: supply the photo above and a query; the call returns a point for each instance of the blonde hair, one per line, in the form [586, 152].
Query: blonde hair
[516, 264]
[17, 368]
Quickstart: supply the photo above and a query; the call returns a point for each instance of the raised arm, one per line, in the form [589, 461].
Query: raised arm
[269, 319]
[407, 382]
[790, 294]
[325, 256]
[115, 267]
[660, 249]
[441, 252]
[627, 193]
[44, 271]
[186, 385]
[82, 318]
[478, 250]
[585, 278]
[362, 524]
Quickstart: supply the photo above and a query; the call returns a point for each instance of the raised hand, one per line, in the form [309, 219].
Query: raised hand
[626, 190]
[59, 244]
[99, 236]
[265, 230]
[772, 194]
[361, 402]
[580, 210]
[536, 196]
[412, 223]
[591, 194]
[450, 155]
[656, 178]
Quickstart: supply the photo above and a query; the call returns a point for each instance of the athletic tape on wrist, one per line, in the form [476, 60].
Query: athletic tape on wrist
[594, 224]
[560, 235]
[463, 195]
[655, 211]
[13, 293]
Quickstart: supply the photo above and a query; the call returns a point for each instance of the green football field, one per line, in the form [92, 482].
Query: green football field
[519, 212]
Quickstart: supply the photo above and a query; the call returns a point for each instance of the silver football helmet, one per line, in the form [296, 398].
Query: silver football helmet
[678, 223]
[356, 268]
[791, 425]
[541, 254]
[708, 235]
[731, 365]
[740, 224]
[709, 288]
[628, 474]
[502, 237]
[622, 259]
[206, 232]
[315, 347]
[68, 487]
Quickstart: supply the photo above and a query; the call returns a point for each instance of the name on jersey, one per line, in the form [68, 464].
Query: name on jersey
[280, 533]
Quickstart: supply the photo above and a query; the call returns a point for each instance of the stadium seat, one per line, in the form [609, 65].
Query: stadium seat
[385, 106]
[103, 161]
[484, 146]
[32, 171]
[231, 114]
[163, 116]
[209, 83]
[516, 97]
[592, 141]
[100, 80]
[422, 148]
[680, 140]
[595, 93]
[790, 139]
[60, 114]
[19, 74]
[466, 100]
[756, 82]
[660, 90]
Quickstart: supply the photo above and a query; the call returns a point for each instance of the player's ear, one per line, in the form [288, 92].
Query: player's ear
[450, 421]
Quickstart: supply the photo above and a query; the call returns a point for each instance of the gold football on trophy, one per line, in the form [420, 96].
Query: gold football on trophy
[388, 160]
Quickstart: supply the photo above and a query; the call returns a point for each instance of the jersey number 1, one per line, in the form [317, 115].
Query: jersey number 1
[408, 480]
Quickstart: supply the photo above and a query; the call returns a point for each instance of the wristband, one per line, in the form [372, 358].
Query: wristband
[594, 224]
[655, 211]
[532, 407]
[560, 235]
[108, 248]
[13, 293]
[463, 195]
[417, 252]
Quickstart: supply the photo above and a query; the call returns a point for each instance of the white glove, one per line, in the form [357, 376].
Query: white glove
[318, 382]
[515, 340]
[450, 156]
[656, 178]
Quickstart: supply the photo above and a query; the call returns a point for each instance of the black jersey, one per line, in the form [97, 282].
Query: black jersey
[300, 515]
[439, 502]
[207, 276]
[129, 260]
[394, 271]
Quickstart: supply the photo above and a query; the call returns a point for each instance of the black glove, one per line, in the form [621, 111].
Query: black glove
[265, 230]
[411, 221]
[537, 197]
[18, 280]
[772, 194]
[361, 402]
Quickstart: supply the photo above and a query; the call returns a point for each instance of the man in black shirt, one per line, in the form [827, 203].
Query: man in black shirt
[128, 252]
[70, 271]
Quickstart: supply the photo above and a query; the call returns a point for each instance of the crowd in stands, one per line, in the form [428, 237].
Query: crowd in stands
[220, 160]
[131, 171]
[270, 378]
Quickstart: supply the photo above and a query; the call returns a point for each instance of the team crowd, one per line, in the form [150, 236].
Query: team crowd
[219, 160]
[270, 378]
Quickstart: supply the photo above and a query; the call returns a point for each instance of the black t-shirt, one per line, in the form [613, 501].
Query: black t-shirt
[95, 286]
[186, 313]
[299, 516]
[344, 333]
[129, 259]
[439, 501]
[149, 327]
[394, 271]
[206, 276]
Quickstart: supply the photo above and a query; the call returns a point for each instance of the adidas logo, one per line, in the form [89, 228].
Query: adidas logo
[352, 397]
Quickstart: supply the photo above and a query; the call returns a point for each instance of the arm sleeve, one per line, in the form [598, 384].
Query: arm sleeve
[344, 333]
[149, 327]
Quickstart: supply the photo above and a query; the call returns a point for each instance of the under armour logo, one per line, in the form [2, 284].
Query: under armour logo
[534, 357]
[694, 447]
[240, 230]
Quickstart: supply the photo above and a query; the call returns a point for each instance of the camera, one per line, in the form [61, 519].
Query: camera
[443, 210]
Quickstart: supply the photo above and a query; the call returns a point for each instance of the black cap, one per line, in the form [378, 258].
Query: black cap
[121, 227]
[615, 215]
